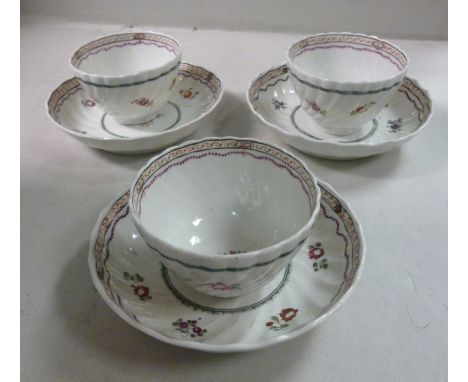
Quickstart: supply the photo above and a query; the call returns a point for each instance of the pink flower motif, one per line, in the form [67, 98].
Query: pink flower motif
[141, 291]
[288, 314]
[198, 331]
[143, 102]
[316, 251]
[183, 325]
[363, 108]
[280, 321]
[188, 93]
[189, 327]
[314, 106]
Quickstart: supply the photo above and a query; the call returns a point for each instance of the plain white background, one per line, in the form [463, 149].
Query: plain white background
[393, 327]
[422, 19]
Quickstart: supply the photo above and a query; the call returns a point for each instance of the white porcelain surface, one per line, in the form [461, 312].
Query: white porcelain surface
[130, 74]
[196, 93]
[62, 311]
[143, 293]
[225, 211]
[344, 79]
[272, 98]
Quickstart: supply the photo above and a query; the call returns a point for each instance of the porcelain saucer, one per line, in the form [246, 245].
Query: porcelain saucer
[195, 93]
[137, 287]
[272, 98]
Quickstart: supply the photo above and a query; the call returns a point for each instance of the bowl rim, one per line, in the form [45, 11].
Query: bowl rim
[263, 252]
[336, 84]
[79, 73]
[331, 144]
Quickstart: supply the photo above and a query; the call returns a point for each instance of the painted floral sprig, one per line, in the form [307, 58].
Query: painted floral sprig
[316, 252]
[280, 320]
[189, 327]
[315, 107]
[363, 108]
[188, 93]
[143, 101]
[142, 291]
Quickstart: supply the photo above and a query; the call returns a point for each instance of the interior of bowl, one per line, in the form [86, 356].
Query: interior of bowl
[348, 58]
[125, 54]
[225, 199]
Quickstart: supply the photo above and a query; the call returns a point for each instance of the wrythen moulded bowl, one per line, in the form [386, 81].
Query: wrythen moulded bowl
[225, 215]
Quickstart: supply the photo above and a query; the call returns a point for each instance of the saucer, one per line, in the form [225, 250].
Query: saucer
[272, 98]
[137, 287]
[195, 93]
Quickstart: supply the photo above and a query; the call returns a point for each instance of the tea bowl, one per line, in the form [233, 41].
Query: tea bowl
[225, 215]
[344, 79]
[129, 75]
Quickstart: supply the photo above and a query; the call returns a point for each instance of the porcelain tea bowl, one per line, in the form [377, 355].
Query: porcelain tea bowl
[225, 215]
[344, 79]
[129, 75]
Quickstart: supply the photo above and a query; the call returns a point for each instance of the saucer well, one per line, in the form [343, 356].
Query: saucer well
[272, 98]
[137, 287]
[195, 93]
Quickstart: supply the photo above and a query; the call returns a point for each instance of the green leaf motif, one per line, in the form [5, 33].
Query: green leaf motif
[138, 278]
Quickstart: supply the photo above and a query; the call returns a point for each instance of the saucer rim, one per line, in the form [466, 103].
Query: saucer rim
[227, 348]
[87, 137]
[333, 144]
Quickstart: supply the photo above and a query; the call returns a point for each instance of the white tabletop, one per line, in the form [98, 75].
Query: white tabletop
[394, 326]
